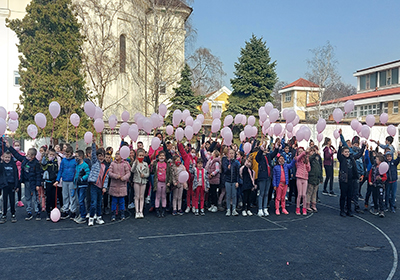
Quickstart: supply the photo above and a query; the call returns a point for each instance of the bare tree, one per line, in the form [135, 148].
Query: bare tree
[160, 35]
[207, 71]
[323, 71]
[100, 55]
[276, 95]
[339, 90]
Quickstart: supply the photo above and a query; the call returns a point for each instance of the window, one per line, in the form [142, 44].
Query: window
[395, 107]
[216, 107]
[395, 76]
[122, 53]
[353, 114]
[362, 82]
[138, 57]
[163, 88]
[385, 107]
[16, 78]
[367, 82]
[389, 77]
[288, 96]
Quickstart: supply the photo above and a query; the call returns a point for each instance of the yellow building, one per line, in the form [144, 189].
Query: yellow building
[217, 100]
[298, 94]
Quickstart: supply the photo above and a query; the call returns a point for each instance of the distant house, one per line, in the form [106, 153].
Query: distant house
[297, 95]
[378, 91]
[217, 100]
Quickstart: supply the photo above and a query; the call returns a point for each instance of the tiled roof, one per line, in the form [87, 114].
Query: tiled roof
[358, 96]
[211, 93]
[301, 83]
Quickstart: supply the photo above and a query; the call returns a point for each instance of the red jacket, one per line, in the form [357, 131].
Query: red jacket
[187, 158]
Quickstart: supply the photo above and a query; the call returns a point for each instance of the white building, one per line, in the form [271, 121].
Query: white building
[9, 77]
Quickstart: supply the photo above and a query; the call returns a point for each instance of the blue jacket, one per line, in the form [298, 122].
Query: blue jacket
[79, 179]
[31, 171]
[231, 175]
[67, 170]
[263, 173]
[100, 180]
[277, 173]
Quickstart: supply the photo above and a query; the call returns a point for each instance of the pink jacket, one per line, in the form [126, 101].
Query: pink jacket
[302, 168]
[118, 187]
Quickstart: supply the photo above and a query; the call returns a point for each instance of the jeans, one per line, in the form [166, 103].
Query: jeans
[390, 196]
[346, 190]
[329, 177]
[264, 186]
[118, 200]
[82, 196]
[9, 194]
[230, 194]
[69, 197]
[95, 204]
[31, 196]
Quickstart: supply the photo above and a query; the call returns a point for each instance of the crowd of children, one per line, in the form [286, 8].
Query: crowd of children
[87, 185]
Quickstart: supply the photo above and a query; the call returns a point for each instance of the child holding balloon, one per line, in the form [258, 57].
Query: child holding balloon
[177, 186]
[162, 179]
[140, 171]
[303, 168]
[377, 178]
[200, 185]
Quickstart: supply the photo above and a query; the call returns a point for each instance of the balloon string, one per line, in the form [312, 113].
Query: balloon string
[76, 132]
[51, 139]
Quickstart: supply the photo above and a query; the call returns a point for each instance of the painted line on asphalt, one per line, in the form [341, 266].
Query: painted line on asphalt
[394, 249]
[272, 222]
[209, 233]
[59, 244]
[302, 218]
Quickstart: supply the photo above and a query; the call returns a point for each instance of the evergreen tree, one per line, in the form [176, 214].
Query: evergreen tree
[184, 96]
[254, 79]
[50, 66]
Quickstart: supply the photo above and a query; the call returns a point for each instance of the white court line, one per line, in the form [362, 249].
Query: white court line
[394, 249]
[302, 218]
[59, 244]
[272, 222]
[208, 233]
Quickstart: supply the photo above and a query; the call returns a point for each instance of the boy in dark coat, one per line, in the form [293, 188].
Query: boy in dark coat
[9, 184]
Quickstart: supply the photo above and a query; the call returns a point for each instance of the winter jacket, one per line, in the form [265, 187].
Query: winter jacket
[31, 171]
[168, 176]
[392, 172]
[248, 183]
[390, 147]
[288, 159]
[231, 175]
[302, 168]
[118, 186]
[176, 170]
[375, 178]
[196, 173]
[67, 170]
[187, 157]
[81, 175]
[355, 151]
[276, 179]
[10, 174]
[346, 163]
[50, 170]
[138, 169]
[315, 175]
[263, 171]
[211, 168]
[99, 172]
[328, 156]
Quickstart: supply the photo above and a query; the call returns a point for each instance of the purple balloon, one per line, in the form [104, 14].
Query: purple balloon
[88, 137]
[54, 109]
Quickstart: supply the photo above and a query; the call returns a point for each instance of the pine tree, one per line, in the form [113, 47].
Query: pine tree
[254, 79]
[50, 66]
[184, 96]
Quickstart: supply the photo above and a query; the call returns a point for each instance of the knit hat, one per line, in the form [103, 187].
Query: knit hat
[388, 154]
[356, 140]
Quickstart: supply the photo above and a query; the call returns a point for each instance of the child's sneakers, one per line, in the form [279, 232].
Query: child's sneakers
[196, 212]
[304, 211]
[91, 222]
[284, 211]
[249, 213]
[20, 204]
[193, 210]
[29, 216]
[277, 212]
[100, 221]
[180, 212]
[228, 212]
[64, 215]
[202, 213]
[174, 213]
[187, 210]
[38, 218]
[297, 211]
[235, 213]
[244, 213]
[122, 215]
[266, 214]
[260, 213]
[80, 220]
[13, 218]
[374, 212]
[381, 214]
[3, 219]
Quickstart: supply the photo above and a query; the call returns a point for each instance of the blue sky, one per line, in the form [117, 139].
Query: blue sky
[363, 32]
